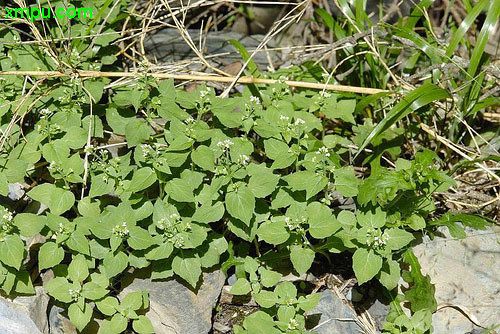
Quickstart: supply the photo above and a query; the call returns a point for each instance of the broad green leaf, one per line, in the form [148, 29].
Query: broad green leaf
[188, 268]
[372, 219]
[302, 258]
[398, 238]
[115, 264]
[273, 232]
[346, 182]
[61, 201]
[266, 298]
[88, 208]
[422, 291]
[322, 222]
[93, 291]
[260, 322]
[240, 287]
[139, 238]
[78, 269]
[286, 290]
[389, 275]
[209, 213]
[42, 192]
[241, 204]
[132, 300]
[279, 152]
[142, 325]
[269, 278]
[117, 324]
[107, 305]
[366, 264]
[263, 182]
[29, 224]
[136, 132]
[308, 181]
[180, 190]
[80, 318]
[78, 242]
[204, 157]
[143, 178]
[4, 185]
[50, 255]
[309, 302]
[12, 251]
[59, 289]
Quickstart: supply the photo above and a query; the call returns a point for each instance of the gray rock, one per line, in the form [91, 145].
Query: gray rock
[16, 191]
[58, 323]
[467, 275]
[24, 315]
[335, 316]
[379, 311]
[168, 46]
[175, 309]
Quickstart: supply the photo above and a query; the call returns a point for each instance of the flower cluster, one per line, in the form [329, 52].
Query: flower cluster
[149, 151]
[121, 230]
[324, 151]
[45, 113]
[376, 238]
[75, 294]
[189, 120]
[172, 227]
[243, 159]
[204, 93]
[295, 224]
[292, 324]
[6, 222]
[226, 144]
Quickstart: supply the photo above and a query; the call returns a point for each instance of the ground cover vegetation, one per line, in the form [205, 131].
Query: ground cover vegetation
[138, 173]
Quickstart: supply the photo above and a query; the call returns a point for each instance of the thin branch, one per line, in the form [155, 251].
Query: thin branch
[206, 78]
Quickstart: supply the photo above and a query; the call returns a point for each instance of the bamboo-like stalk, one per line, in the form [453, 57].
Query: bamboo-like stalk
[213, 78]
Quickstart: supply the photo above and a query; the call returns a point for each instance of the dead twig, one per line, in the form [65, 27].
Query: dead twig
[206, 78]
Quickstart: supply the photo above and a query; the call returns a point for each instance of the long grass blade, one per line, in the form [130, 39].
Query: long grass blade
[465, 25]
[413, 101]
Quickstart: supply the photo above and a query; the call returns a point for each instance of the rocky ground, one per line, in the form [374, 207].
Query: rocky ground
[465, 272]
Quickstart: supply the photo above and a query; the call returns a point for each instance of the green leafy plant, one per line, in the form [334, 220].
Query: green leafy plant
[144, 175]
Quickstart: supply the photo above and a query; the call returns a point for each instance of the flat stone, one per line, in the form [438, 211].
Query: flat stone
[58, 323]
[24, 315]
[466, 274]
[331, 315]
[168, 46]
[174, 308]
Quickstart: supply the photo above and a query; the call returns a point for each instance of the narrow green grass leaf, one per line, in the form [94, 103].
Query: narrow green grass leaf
[326, 17]
[413, 101]
[486, 31]
[252, 66]
[465, 25]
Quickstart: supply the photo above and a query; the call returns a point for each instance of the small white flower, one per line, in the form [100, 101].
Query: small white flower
[325, 94]
[204, 93]
[323, 150]
[7, 215]
[254, 99]
[292, 324]
[284, 118]
[225, 144]
[189, 120]
[244, 159]
[299, 121]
